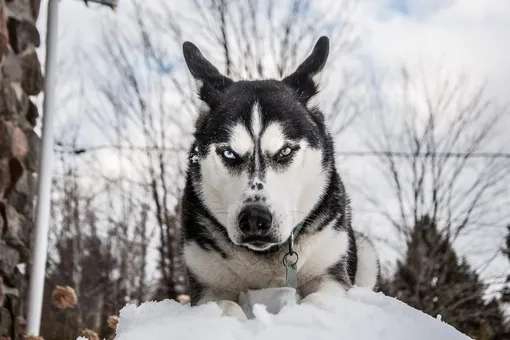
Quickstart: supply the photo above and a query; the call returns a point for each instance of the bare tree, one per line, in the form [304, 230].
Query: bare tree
[438, 143]
[252, 39]
[98, 250]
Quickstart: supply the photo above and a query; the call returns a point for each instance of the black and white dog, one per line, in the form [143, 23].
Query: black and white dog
[261, 167]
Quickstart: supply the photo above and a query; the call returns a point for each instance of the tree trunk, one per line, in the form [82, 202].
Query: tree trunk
[20, 77]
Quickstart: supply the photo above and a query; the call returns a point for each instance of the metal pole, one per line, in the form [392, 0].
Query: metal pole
[42, 217]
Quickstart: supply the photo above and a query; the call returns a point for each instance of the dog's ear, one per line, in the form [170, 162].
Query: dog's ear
[305, 79]
[210, 82]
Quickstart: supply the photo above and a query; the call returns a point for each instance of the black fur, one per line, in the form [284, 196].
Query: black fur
[301, 80]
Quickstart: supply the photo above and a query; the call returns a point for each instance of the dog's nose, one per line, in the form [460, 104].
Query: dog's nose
[255, 220]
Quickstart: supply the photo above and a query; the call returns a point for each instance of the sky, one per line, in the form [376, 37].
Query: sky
[464, 35]
[451, 35]
[469, 35]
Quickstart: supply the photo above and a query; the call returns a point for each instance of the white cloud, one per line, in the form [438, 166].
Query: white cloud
[472, 36]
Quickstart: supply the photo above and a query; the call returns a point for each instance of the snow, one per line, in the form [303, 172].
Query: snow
[274, 299]
[361, 314]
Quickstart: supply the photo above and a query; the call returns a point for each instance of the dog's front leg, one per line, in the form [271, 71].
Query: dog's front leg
[228, 306]
[318, 292]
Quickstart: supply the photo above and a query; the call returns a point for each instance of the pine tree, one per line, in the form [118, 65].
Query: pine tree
[506, 251]
[433, 279]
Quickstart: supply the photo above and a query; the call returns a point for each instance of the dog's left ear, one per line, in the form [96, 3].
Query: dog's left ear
[210, 82]
[304, 79]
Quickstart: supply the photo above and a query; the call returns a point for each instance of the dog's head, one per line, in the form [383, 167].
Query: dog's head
[260, 157]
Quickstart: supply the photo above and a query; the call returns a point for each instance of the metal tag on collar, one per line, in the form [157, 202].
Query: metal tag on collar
[290, 261]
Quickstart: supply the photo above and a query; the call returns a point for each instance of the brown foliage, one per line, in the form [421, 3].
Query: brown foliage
[32, 337]
[64, 297]
[90, 334]
[113, 321]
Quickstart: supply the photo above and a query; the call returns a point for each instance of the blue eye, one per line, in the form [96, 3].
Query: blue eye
[229, 154]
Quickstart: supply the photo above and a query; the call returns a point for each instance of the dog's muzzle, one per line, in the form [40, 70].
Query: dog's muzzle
[255, 223]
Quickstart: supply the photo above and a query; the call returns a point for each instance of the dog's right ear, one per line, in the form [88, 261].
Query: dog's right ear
[304, 79]
[210, 82]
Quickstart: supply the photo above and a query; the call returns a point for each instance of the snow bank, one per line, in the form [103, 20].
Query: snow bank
[361, 315]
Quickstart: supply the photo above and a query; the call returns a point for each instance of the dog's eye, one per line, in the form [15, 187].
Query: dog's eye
[284, 153]
[229, 154]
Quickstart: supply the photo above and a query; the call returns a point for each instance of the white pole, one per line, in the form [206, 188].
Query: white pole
[42, 217]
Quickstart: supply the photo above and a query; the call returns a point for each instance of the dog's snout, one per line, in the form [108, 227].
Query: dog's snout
[255, 220]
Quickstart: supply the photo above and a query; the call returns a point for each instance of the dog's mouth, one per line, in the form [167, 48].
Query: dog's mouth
[258, 243]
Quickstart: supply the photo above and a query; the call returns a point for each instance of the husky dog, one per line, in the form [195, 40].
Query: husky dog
[261, 168]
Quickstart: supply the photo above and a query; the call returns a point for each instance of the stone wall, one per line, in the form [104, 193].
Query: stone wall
[20, 78]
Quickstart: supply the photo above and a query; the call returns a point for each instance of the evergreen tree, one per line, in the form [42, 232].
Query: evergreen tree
[433, 279]
[506, 251]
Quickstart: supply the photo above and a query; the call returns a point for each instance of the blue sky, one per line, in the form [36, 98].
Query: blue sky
[399, 6]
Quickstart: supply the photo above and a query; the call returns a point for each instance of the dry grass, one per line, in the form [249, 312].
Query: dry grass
[64, 297]
[112, 321]
[183, 298]
[32, 337]
[90, 334]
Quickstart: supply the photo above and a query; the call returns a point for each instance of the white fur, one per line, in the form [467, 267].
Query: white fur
[199, 83]
[290, 195]
[317, 77]
[272, 139]
[231, 308]
[203, 108]
[228, 307]
[241, 141]
[222, 193]
[256, 120]
[256, 126]
[316, 100]
[325, 290]
[368, 263]
[244, 270]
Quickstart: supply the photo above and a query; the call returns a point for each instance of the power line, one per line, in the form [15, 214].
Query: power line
[74, 150]
[399, 154]
[68, 149]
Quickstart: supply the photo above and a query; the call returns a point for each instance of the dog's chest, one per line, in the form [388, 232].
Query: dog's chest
[239, 272]
[243, 270]
[255, 273]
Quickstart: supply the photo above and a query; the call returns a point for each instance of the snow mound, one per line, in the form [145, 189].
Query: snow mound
[362, 314]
